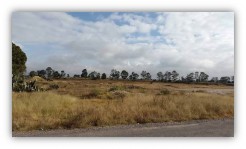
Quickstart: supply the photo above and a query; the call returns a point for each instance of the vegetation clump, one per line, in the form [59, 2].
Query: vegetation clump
[164, 92]
[53, 86]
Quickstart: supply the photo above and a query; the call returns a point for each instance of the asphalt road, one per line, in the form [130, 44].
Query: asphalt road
[200, 128]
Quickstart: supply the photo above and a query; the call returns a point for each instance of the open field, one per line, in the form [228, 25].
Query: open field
[79, 103]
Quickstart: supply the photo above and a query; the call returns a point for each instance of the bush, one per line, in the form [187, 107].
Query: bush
[116, 88]
[164, 92]
[119, 94]
[134, 87]
[18, 87]
[93, 94]
[53, 86]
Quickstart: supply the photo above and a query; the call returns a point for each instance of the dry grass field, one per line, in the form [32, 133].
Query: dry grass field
[80, 103]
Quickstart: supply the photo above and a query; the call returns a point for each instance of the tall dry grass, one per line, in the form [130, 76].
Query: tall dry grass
[50, 111]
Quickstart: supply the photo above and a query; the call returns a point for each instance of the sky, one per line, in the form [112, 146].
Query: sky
[134, 41]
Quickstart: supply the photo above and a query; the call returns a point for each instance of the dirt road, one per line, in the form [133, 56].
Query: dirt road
[200, 128]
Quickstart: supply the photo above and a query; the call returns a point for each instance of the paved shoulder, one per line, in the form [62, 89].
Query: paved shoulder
[200, 128]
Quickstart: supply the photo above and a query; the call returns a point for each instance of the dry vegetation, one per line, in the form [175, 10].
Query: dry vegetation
[85, 103]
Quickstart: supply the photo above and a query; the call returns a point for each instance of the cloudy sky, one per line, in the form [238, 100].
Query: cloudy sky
[152, 41]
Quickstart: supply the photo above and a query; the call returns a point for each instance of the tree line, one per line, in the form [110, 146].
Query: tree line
[168, 76]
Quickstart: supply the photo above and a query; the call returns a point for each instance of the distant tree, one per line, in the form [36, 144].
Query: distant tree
[114, 74]
[225, 79]
[124, 74]
[148, 76]
[160, 76]
[143, 74]
[63, 74]
[133, 76]
[41, 73]
[49, 72]
[190, 77]
[76, 76]
[203, 77]
[18, 63]
[174, 76]
[68, 76]
[56, 75]
[94, 75]
[84, 73]
[183, 79]
[214, 79]
[103, 76]
[167, 76]
[130, 77]
[33, 73]
[197, 76]
[98, 75]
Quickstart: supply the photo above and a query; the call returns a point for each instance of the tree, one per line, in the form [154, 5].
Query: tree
[214, 79]
[133, 76]
[56, 74]
[124, 74]
[115, 74]
[49, 72]
[63, 74]
[168, 76]
[143, 74]
[225, 79]
[68, 76]
[84, 73]
[174, 76]
[41, 73]
[33, 73]
[98, 75]
[94, 75]
[18, 62]
[148, 76]
[76, 76]
[203, 77]
[183, 79]
[190, 77]
[103, 76]
[197, 76]
[160, 76]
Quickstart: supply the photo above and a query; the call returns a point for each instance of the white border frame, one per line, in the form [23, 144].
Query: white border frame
[9, 6]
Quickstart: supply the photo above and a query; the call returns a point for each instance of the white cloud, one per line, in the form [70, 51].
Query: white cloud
[186, 41]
